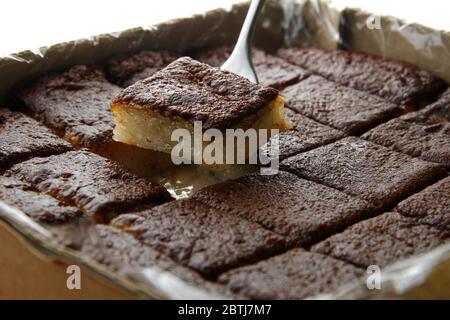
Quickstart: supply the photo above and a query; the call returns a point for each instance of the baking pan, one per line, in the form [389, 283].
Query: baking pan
[33, 265]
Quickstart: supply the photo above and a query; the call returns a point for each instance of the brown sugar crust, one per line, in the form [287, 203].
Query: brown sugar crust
[22, 138]
[288, 205]
[296, 274]
[39, 206]
[430, 206]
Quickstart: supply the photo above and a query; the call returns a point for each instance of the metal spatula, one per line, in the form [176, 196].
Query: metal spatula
[240, 60]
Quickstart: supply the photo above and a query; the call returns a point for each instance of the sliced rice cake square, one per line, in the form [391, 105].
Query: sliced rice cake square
[122, 253]
[430, 206]
[39, 206]
[296, 274]
[394, 81]
[340, 107]
[424, 134]
[74, 103]
[304, 135]
[201, 237]
[365, 169]
[92, 183]
[287, 205]
[22, 138]
[382, 240]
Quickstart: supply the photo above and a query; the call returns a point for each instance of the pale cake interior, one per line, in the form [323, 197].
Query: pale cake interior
[150, 130]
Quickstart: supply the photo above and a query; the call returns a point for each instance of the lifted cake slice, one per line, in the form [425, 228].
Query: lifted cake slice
[186, 91]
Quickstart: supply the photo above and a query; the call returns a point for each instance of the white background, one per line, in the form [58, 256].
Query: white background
[30, 24]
